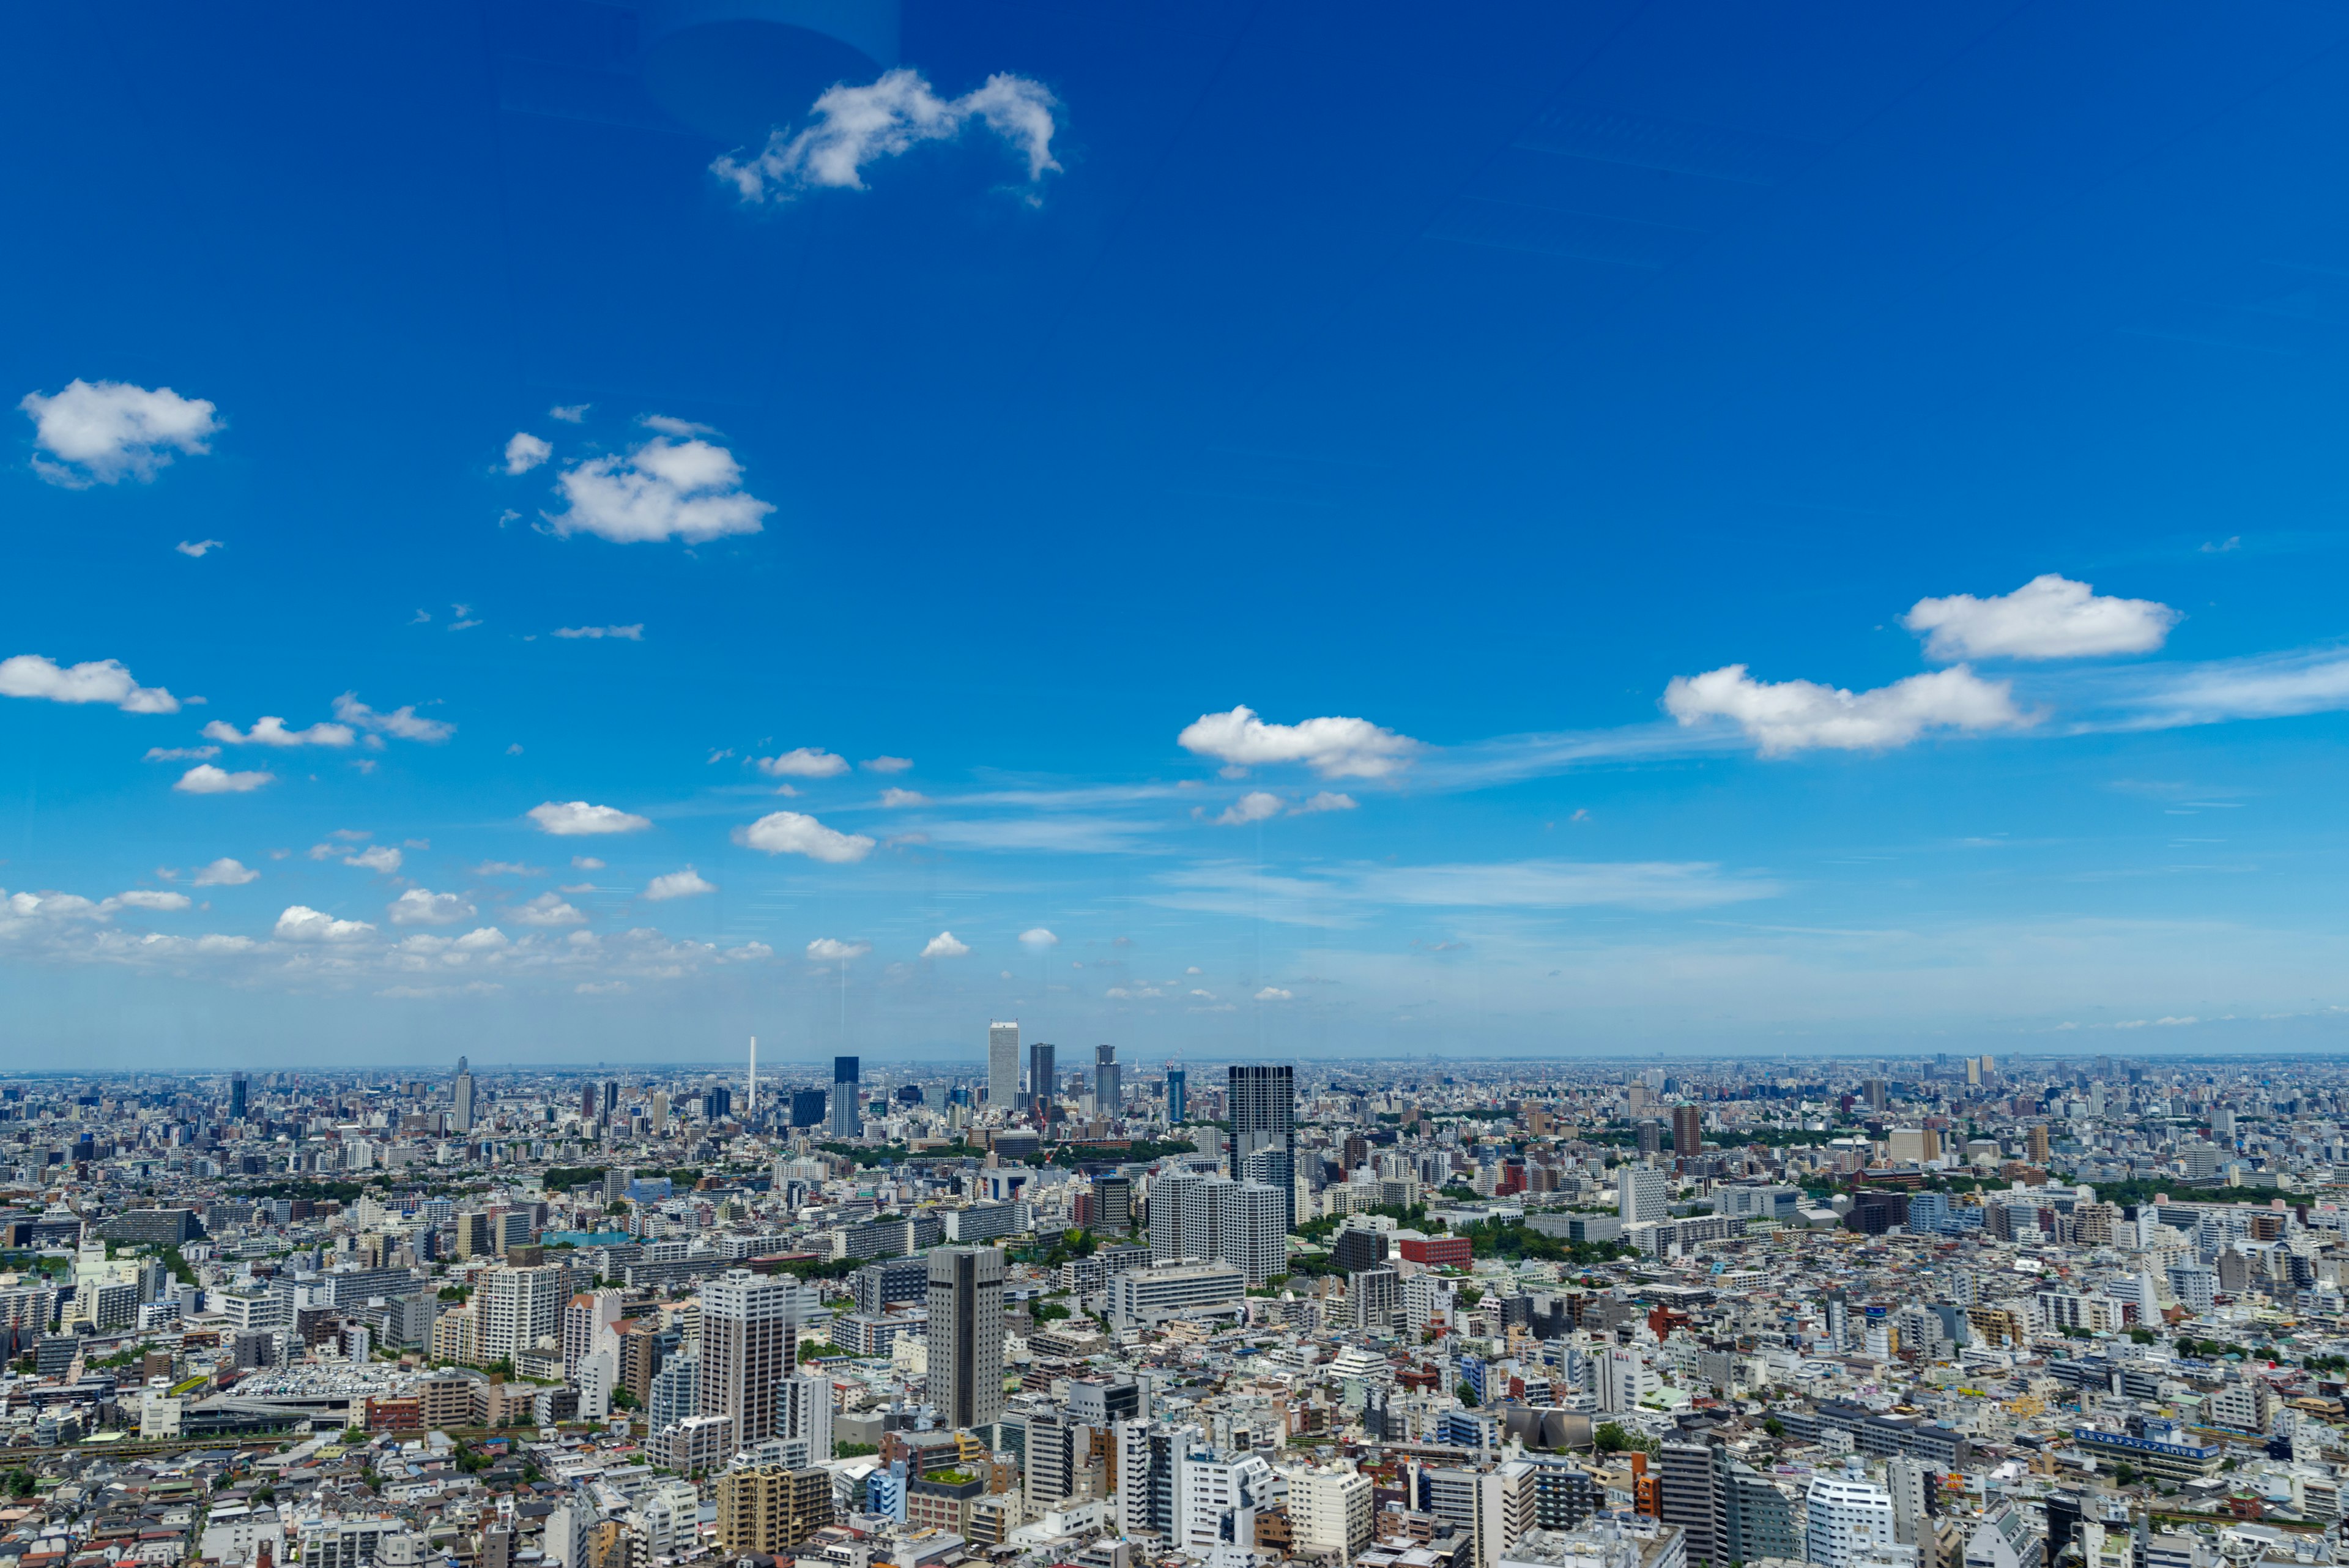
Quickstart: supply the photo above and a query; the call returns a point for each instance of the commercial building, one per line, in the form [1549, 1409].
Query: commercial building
[751, 1327]
[965, 1335]
[1147, 1297]
[846, 1122]
[1003, 1066]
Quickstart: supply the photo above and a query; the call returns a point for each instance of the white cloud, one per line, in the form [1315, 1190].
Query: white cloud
[101, 432]
[1273, 993]
[206, 779]
[549, 909]
[508, 868]
[1796, 715]
[1324, 800]
[225, 873]
[179, 753]
[685, 884]
[886, 765]
[602, 988]
[198, 550]
[146, 898]
[944, 945]
[402, 723]
[569, 414]
[802, 762]
[854, 126]
[577, 819]
[301, 923]
[380, 858]
[796, 833]
[100, 680]
[585, 863]
[826, 951]
[526, 452]
[1038, 937]
[1334, 748]
[896, 797]
[269, 730]
[1253, 806]
[625, 633]
[419, 907]
[2050, 617]
[688, 489]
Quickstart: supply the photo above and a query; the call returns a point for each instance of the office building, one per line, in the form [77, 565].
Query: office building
[1109, 1087]
[1041, 1081]
[1003, 1067]
[1263, 1111]
[1114, 1204]
[1687, 1131]
[460, 1099]
[965, 1335]
[1848, 1519]
[1642, 1193]
[1178, 1095]
[237, 1091]
[1143, 1298]
[750, 1339]
[846, 1123]
[807, 1107]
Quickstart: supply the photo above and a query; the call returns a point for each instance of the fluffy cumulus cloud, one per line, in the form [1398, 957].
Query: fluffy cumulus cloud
[803, 763]
[1254, 806]
[100, 680]
[1038, 937]
[269, 730]
[854, 126]
[1334, 748]
[796, 833]
[153, 900]
[402, 723]
[198, 549]
[1324, 800]
[1273, 993]
[894, 798]
[101, 433]
[2050, 617]
[686, 884]
[625, 633]
[944, 945]
[824, 949]
[380, 858]
[688, 489]
[549, 909]
[577, 819]
[526, 452]
[1789, 716]
[206, 779]
[301, 923]
[226, 873]
[418, 907]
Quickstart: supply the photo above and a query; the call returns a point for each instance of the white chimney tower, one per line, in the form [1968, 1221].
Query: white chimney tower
[753, 1096]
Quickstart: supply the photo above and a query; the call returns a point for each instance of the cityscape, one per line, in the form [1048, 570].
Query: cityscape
[1940, 1312]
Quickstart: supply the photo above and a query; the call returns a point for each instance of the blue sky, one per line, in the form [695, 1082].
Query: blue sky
[1814, 529]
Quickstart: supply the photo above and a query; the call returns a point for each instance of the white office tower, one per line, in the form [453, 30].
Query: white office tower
[751, 1088]
[519, 1308]
[803, 1419]
[964, 1335]
[460, 1098]
[1642, 1192]
[1216, 1500]
[1905, 1479]
[1003, 1067]
[1849, 1518]
[1624, 1376]
[750, 1339]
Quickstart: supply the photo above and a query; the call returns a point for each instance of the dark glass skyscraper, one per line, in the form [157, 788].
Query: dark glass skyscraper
[845, 1121]
[1041, 1068]
[1178, 1095]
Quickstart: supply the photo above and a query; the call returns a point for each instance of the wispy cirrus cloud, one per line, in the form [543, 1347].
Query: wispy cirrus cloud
[1347, 896]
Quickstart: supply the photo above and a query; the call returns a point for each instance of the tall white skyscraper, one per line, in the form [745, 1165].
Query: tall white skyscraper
[460, 1098]
[1642, 1192]
[1003, 1067]
[750, 1337]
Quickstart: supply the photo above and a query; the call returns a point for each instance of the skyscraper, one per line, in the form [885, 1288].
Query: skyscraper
[1108, 1086]
[1196, 1219]
[965, 1335]
[460, 1098]
[845, 1121]
[1178, 1095]
[1003, 1066]
[1263, 1109]
[1687, 1131]
[1041, 1069]
[749, 1340]
[236, 1093]
[1642, 1192]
